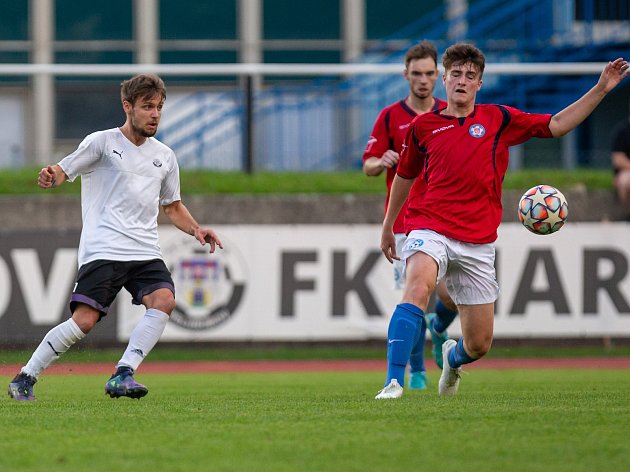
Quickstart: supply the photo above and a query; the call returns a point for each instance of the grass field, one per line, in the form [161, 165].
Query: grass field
[516, 420]
[200, 182]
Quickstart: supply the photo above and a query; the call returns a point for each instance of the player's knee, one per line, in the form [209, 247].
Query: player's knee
[417, 294]
[478, 346]
[166, 305]
[162, 299]
[85, 318]
[170, 307]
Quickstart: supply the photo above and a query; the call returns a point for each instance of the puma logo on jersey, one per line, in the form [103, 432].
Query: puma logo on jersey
[119, 153]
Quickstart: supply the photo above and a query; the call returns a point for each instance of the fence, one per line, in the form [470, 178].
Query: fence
[319, 121]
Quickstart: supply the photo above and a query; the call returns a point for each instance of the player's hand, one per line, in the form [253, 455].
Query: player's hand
[207, 236]
[388, 245]
[389, 159]
[47, 177]
[614, 72]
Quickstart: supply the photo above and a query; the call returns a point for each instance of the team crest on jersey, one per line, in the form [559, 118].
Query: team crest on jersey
[209, 287]
[157, 163]
[477, 130]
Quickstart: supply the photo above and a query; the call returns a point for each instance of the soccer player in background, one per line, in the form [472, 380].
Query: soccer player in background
[461, 154]
[621, 163]
[382, 154]
[126, 176]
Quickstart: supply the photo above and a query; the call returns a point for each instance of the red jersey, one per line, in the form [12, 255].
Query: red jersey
[462, 162]
[389, 132]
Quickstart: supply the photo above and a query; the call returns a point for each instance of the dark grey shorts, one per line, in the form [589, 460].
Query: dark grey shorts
[98, 282]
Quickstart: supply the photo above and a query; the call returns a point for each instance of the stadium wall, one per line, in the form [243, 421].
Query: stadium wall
[307, 268]
[54, 212]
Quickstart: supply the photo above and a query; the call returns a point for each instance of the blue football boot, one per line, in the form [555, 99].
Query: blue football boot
[417, 381]
[21, 387]
[122, 384]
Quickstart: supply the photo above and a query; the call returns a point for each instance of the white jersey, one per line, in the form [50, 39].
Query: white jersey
[122, 188]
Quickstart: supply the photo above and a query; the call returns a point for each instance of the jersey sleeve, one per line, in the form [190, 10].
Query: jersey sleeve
[378, 142]
[170, 190]
[412, 156]
[84, 158]
[523, 126]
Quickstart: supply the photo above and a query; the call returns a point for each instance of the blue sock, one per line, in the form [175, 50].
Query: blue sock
[401, 337]
[458, 356]
[444, 317]
[416, 359]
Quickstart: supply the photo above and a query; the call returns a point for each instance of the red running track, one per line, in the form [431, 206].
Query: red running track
[168, 367]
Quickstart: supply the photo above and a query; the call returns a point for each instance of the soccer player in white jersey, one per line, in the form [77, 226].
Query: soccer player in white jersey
[126, 175]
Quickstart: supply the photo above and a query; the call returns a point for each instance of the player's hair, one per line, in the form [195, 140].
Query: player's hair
[421, 51]
[142, 86]
[463, 53]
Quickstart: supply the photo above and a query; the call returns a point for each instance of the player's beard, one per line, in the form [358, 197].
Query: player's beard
[143, 132]
[422, 95]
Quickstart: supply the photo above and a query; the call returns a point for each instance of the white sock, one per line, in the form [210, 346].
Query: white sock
[143, 338]
[57, 341]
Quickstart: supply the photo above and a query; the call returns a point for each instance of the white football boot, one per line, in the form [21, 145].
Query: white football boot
[392, 390]
[449, 380]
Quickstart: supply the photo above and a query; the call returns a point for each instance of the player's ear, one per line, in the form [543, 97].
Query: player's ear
[126, 106]
[479, 86]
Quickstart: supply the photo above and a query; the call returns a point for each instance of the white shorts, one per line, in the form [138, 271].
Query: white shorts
[467, 268]
[399, 266]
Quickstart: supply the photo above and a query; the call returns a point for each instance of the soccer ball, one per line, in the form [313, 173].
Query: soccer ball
[543, 209]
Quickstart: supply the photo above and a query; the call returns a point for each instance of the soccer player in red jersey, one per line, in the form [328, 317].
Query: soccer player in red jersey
[460, 153]
[382, 154]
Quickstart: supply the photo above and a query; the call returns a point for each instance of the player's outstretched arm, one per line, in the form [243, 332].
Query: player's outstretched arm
[182, 219]
[569, 118]
[51, 176]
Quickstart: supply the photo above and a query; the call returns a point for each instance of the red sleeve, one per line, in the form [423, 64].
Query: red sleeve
[378, 142]
[412, 157]
[524, 126]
